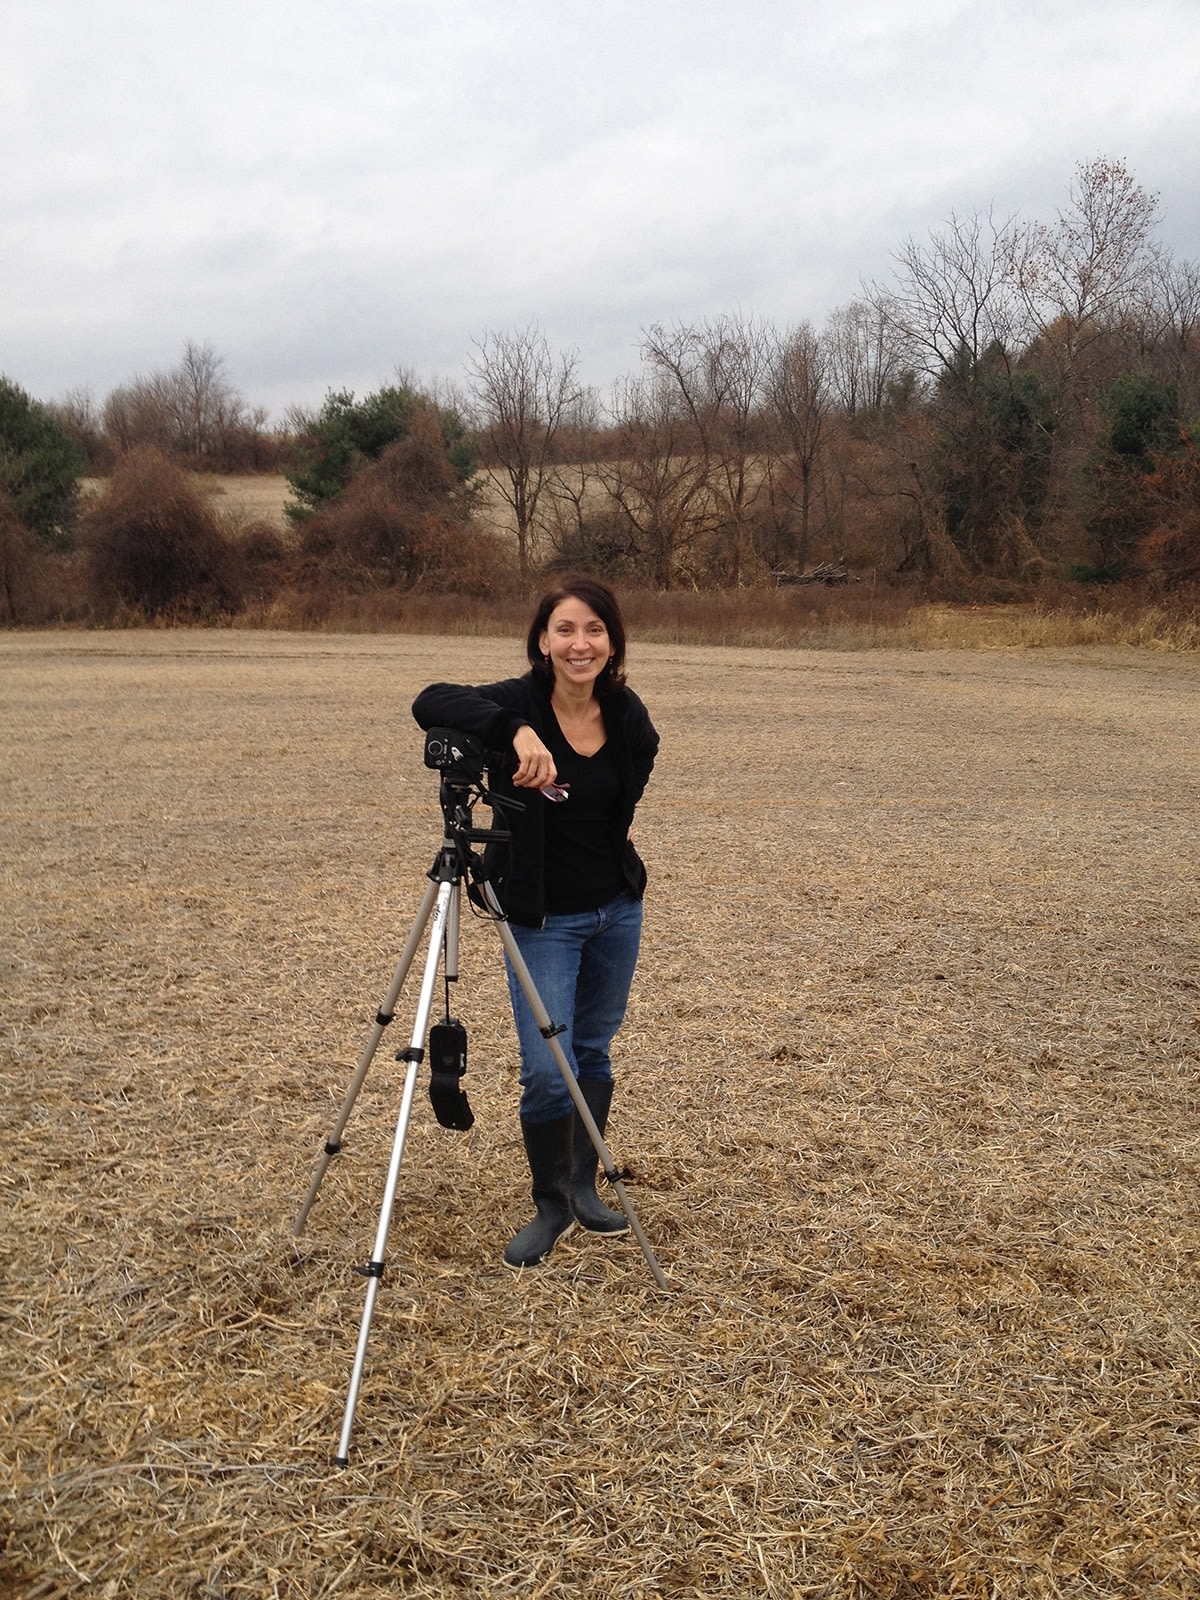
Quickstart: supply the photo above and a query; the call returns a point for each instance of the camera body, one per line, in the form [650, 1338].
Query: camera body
[459, 757]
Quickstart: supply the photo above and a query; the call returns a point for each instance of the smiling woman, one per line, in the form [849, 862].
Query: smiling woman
[577, 748]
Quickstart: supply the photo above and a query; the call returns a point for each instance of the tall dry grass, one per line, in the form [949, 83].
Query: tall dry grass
[856, 617]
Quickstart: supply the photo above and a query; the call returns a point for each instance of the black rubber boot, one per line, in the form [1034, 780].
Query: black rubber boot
[589, 1210]
[548, 1151]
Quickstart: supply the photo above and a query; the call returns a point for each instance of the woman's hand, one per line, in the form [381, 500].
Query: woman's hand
[535, 764]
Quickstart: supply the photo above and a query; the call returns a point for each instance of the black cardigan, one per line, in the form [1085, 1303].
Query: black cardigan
[493, 712]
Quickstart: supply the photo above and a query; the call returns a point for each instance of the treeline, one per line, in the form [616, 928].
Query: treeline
[191, 412]
[1019, 405]
[1021, 402]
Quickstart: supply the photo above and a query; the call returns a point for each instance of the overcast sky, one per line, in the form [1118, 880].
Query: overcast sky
[328, 192]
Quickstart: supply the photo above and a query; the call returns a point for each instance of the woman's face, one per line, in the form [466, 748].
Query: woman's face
[577, 643]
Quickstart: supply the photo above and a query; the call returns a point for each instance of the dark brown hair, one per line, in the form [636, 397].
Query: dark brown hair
[597, 595]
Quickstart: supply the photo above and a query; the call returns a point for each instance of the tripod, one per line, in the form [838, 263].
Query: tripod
[457, 859]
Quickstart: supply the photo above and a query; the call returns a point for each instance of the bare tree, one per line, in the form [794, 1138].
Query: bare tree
[1173, 315]
[1083, 274]
[139, 413]
[658, 478]
[1085, 281]
[201, 397]
[956, 305]
[719, 369]
[523, 394]
[78, 415]
[864, 356]
[191, 410]
[954, 298]
[797, 396]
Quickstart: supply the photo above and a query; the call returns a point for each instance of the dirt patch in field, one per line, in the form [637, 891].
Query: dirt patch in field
[909, 1088]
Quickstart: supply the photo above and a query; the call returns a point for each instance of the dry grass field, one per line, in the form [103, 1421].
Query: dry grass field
[238, 498]
[242, 498]
[909, 1090]
[262, 497]
[251, 497]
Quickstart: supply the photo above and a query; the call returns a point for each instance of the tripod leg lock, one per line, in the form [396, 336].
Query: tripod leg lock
[333, 1147]
[552, 1030]
[372, 1269]
[382, 1018]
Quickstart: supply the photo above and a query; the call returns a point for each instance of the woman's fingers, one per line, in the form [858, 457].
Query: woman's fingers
[535, 764]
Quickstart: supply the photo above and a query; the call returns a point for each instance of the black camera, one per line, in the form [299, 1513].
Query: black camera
[459, 757]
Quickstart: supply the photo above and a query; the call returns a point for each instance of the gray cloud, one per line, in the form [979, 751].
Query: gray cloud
[326, 194]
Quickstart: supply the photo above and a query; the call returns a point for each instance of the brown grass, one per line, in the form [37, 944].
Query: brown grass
[253, 497]
[909, 1085]
[236, 497]
[860, 617]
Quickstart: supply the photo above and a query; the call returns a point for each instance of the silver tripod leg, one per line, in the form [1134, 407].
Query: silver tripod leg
[386, 1011]
[550, 1034]
[443, 915]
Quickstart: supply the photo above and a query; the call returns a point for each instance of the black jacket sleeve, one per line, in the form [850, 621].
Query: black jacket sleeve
[492, 712]
[642, 737]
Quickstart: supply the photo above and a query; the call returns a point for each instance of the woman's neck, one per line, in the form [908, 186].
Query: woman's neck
[569, 701]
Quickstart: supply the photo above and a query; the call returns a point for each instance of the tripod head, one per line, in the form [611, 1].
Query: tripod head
[461, 759]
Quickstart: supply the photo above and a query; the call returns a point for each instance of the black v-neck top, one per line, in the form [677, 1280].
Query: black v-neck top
[583, 847]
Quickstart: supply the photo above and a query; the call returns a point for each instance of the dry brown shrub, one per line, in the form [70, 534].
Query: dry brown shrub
[401, 524]
[1170, 553]
[38, 586]
[20, 569]
[154, 548]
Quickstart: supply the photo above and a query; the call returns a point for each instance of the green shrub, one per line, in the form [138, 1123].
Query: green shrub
[347, 435]
[40, 467]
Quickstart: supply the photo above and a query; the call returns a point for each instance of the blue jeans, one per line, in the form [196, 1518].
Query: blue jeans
[582, 965]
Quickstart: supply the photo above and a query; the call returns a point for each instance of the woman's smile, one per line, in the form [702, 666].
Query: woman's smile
[576, 641]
